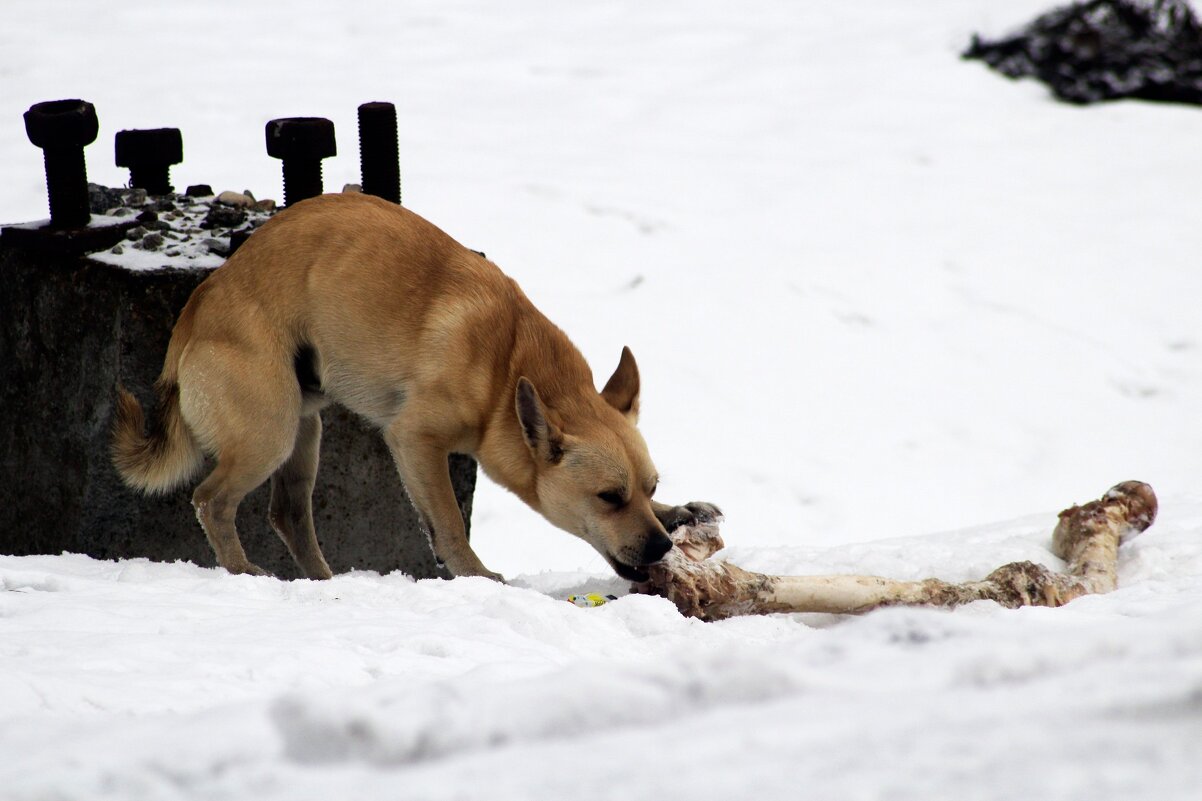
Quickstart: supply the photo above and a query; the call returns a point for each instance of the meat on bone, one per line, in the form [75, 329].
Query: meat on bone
[1087, 538]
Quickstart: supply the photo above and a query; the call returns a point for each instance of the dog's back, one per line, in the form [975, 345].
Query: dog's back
[372, 290]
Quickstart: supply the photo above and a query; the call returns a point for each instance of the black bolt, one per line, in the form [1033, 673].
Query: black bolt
[149, 155]
[301, 142]
[379, 159]
[61, 128]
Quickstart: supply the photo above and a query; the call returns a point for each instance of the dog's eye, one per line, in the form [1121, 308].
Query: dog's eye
[612, 497]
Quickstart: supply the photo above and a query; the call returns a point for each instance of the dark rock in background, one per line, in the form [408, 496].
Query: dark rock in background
[221, 216]
[1106, 50]
[101, 198]
[70, 328]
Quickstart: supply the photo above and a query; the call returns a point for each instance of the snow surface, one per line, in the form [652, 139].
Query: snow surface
[874, 292]
[184, 243]
[144, 680]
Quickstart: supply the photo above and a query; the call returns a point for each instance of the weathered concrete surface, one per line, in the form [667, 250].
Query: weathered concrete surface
[69, 327]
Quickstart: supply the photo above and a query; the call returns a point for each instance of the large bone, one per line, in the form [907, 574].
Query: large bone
[1087, 538]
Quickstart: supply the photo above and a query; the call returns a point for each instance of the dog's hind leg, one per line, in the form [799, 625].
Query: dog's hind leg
[216, 502]
[291, 513]
[244, 405]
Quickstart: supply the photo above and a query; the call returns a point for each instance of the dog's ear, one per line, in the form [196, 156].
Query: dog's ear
[622, 389]
[541, 435]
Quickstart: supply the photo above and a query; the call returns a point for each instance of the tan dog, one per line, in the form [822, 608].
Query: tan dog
[353, 300]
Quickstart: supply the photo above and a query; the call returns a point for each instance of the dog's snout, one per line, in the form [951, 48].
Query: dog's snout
[657, 545]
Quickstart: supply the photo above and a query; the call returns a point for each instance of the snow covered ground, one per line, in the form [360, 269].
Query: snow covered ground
[875, 292]
[141, 680]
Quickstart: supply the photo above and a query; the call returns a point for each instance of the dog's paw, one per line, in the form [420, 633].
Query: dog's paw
[482, 572]
[691, 514]
[247, 569]
[497, 577]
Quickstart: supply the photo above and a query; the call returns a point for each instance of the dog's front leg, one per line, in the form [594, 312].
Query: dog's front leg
[426, 475]
[691, 514]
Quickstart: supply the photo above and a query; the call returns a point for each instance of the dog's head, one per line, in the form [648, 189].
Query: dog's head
[593, 475]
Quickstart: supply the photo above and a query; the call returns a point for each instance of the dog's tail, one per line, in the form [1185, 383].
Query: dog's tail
[165, 457]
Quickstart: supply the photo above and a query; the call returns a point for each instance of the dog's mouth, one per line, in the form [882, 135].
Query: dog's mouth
[628, 572]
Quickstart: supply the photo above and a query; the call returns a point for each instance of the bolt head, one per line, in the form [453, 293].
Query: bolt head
[61, 123]
[151, 147]
[301, 138]
[377, 110]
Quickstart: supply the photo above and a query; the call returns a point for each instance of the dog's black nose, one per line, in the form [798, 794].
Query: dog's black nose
[657, 545]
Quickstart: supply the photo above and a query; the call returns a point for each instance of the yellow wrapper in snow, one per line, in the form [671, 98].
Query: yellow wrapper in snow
[591, 599]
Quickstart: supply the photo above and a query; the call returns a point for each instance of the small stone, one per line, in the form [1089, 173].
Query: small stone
[164, 203]
[235, 199]
[150, 215]
[120, 211]
[238, 238]
[172, 252]
[199, 190]
[215, 246]
[101, 198]
[117, 249]
[135, 196]
[221, 216]
[159, 225]
[136, 232]
[152, 241]
[267, 204]
[355, 188]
